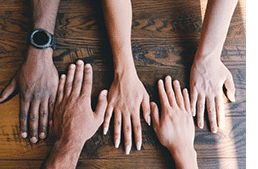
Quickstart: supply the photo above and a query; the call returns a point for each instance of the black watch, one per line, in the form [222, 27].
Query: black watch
[42, 39]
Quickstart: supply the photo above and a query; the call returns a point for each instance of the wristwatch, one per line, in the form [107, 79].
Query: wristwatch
[42, 39]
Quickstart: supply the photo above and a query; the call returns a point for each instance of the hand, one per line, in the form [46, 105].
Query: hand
[73, 117]
[206, 82]
[127, 94]
[37, 80]
[175, 126]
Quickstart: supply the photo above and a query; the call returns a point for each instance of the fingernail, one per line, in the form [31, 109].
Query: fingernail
[42, 135]
[105, 130]
[200, 125]
[214, 130]
[79, 62]
[33, 139]
[149, 120]
[105, 92]
[127, 150]
[87, 65]
[138, 146]
[24, 134]
[116, 143]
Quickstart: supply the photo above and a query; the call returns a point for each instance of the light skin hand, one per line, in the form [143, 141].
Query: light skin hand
[207, 80]
[208, 73]
[37, 81]
[175, 126]
[127, 95]
[74, 121]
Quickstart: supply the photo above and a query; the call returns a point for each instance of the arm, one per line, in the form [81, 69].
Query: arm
[74, 121]
[127, 93]
[208, 73]
[175, 126]
[37, 79]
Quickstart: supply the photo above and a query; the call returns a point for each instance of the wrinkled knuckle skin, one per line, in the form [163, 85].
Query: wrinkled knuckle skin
[138, 128]
[127, 129]
[211, 109]
[33, 117]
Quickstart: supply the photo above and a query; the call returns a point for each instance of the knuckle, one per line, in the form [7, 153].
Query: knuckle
[137, 128]
[127, 129]
[33, 117]
[43, 114]
[117, 123]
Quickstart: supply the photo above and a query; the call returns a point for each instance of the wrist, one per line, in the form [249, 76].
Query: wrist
[40, 54]
[186, 157]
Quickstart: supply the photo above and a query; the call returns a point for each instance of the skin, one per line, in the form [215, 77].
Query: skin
[208, 73]
[127, 93]
[74, 121]
[175, 126]
[37, 79]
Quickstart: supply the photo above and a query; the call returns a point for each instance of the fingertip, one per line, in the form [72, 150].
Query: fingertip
[88, 66]
[42, 135]
[105, 130]
[24, 135]
[33, 140]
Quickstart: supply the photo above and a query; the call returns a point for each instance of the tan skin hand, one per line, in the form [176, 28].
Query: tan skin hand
[127, 95]
[37, 81]
[175, 126]
[73, 105]
[74, 121]
[207, 80]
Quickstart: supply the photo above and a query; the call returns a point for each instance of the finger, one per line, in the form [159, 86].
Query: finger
[102, 105]
[117, 128]
[220, 111]
[107, 118]
[212, 114]
[155, 115]
[51, 104]
[60, 91]
[200, 111]
[34, 120]
[24, 108]
[77, 82]
[137, 128]
[146, 109]
[87, 82]
[229, 85]
[179, 96]
[162, 94]
[127, 132]
[43, 119]
[9, 89]
[187, 101]
[69, 80]
[194, 96]
[170, 91]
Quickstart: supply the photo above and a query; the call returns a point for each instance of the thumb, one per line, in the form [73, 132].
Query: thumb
[102, 105]
[230, 87]
[9, 89]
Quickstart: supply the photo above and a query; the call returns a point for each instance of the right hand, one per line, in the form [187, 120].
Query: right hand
[175, 127]
[37, 81]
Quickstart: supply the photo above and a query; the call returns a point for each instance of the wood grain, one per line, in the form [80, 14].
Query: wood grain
[165, 37]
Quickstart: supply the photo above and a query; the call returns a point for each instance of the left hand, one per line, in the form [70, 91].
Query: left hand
[206, 83]
[73, 116]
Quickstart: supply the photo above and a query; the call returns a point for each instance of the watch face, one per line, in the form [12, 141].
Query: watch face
[40, 39]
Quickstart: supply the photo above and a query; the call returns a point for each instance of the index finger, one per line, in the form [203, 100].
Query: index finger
[162, 94]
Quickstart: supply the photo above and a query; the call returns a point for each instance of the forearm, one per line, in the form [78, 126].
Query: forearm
[184, 159]
[64, 154]
[118, 18]
[44, 14]
[215, 27]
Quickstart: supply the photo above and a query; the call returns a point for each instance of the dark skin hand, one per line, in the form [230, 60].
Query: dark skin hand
[37, 81]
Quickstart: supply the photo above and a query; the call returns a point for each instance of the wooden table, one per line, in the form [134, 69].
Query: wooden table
[164, 38]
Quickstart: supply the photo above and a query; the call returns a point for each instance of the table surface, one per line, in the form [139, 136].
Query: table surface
[165, 37]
